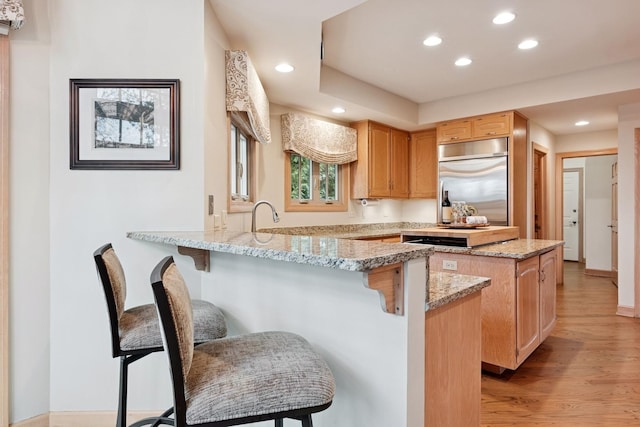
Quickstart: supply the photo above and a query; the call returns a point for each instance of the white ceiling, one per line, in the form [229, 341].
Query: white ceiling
[377, 67]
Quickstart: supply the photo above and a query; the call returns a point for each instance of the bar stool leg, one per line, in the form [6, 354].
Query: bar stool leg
[122, 404]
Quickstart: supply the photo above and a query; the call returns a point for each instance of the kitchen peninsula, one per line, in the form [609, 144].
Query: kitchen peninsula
[362, 305]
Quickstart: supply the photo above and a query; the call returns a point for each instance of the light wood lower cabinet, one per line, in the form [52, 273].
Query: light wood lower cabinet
[518, 309]
[452, 364]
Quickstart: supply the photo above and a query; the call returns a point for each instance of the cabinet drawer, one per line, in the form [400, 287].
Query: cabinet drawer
[454, 131]
[492, 125]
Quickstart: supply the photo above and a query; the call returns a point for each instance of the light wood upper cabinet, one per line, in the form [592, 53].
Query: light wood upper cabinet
[478, 127]
[492, 125]
[399, 164]
[423, 165]
[379, 155]
[382, 169]
[454, 131]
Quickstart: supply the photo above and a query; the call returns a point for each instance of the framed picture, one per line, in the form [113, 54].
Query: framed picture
[124, 124]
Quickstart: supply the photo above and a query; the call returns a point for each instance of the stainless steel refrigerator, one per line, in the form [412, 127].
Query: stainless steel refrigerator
[476, 172]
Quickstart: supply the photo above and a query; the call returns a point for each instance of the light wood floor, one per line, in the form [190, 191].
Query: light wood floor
[587, 373]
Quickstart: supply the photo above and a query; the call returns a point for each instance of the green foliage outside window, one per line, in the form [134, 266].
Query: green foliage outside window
[311, 180]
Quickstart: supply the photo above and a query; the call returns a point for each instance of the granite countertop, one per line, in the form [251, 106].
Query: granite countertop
[444, 288]
[517, 249]
[350, 231]
[322, 251]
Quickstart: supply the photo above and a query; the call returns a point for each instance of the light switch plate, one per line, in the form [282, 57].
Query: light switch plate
[210, 204]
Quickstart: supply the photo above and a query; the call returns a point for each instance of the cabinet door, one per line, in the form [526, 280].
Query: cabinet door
[527, 307]
[399, 164]
[491, 125]
[547, 293]
[379, 155]
[457, 130]
[423, 166]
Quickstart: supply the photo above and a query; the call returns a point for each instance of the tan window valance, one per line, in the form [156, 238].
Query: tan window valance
[13, 12]
[320, 141]
[245, 93]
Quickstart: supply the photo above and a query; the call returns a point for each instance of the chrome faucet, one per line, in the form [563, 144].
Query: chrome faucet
[276, 218]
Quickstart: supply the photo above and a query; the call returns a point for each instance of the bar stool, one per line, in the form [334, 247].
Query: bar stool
[236, 380]
[135, 332]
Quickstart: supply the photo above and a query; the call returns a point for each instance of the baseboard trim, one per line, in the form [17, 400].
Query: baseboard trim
[598, 273]
[82, 419]
[39, 421]
[626, 311]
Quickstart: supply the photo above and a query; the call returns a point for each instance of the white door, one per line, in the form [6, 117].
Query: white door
[571, 215]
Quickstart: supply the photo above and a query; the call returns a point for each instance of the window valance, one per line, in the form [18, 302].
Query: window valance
[246, 94]
[13, 12]
[320, 141]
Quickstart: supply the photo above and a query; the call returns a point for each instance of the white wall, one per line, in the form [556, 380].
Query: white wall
[597, 212]
[628, 122]
[587, 141]
[29, 216]
[544, 138]
[60, 216]
[89, 208]
[215, 158]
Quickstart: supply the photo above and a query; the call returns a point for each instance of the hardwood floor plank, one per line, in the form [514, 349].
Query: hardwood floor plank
[587, 373]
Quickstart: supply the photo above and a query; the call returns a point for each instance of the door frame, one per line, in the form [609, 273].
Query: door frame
[542, 209]
[560, 188]
[636, 274]
[4, 231]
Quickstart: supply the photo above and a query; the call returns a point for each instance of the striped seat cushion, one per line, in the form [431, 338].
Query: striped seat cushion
[255, 374]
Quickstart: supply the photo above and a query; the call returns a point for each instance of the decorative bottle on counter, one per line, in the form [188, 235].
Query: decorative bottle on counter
[446, 209]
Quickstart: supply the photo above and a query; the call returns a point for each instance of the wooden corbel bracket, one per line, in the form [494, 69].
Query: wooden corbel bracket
[200, 257]
[389, 282]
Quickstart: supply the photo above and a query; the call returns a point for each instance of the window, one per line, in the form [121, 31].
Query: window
[241, 166]
[313, 186]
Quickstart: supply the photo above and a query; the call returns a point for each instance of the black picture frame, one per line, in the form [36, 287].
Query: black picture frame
[124, 124]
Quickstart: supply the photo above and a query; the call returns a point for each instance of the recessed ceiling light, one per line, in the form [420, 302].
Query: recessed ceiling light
[432, 41]
[284, 67]
[338, 110]
[461, 62]
[504, 18]
[528, 44]
[582, 123]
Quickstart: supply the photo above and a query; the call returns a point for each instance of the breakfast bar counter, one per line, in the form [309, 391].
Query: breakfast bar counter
[361, 304]
[322, 251]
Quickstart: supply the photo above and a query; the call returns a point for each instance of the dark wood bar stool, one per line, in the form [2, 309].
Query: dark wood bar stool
[236, 380]
[135, 332]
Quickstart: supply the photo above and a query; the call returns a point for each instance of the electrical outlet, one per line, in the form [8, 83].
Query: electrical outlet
[224, 218]
[449, 265]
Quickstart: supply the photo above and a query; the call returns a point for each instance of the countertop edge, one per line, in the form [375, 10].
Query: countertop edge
[505, 249]
[256, 248]
[442, 291]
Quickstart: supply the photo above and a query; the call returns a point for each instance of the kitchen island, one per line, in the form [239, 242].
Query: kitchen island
[361, 305]
[519, 308]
